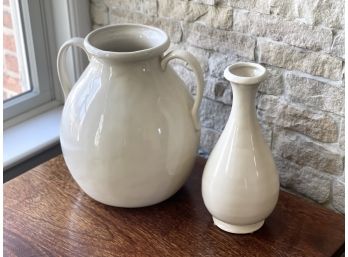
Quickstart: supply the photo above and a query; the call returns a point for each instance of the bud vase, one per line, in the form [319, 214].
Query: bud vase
[240, 183]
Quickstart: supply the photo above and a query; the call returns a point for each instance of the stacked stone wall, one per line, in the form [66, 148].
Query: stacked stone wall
[301, 104]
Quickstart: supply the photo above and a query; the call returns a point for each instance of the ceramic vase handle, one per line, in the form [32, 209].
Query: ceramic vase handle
[197, 70]
[61, 63]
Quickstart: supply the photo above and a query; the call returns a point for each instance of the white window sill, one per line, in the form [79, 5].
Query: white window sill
[31, 137]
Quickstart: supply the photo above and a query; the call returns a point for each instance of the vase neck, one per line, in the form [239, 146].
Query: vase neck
[126, 43]
[243, 108]
[245, 78]
[131, 63]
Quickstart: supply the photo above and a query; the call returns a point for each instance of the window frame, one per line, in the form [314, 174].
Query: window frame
[46, 25]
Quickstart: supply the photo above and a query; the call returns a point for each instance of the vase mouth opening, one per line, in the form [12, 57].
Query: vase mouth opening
[126, 41]
[245, 73]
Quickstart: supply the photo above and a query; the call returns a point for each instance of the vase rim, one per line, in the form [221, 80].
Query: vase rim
[126, 42]
[245, 73]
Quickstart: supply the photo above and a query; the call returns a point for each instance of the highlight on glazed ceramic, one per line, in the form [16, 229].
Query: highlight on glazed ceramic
[240, 184]
[130, 128]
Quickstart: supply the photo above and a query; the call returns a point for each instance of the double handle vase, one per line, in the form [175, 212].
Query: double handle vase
[130, 129]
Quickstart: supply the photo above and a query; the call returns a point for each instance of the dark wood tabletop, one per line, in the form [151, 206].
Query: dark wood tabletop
[47, 214]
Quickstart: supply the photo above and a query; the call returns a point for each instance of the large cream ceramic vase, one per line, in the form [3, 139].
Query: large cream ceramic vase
[240, 182]
[129, 130]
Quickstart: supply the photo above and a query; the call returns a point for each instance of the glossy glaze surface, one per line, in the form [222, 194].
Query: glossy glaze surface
[240, 183]
[129, 130]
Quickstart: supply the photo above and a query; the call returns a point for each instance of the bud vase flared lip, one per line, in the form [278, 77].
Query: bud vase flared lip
[245, 73]
[126, 41]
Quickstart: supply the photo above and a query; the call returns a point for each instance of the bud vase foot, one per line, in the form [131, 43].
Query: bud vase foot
[238, 229]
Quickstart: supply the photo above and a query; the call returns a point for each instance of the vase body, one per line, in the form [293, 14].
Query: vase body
[129, 131]
[240, 184]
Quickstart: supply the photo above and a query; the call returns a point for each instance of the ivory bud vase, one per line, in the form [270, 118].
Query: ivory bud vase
[129, 129]
[240, 184]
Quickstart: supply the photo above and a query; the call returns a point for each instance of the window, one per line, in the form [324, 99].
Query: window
[15, 75]
[36, 29]
[32, 96]
[35, 83]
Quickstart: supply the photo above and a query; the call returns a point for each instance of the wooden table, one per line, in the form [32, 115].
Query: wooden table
[46, 214]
